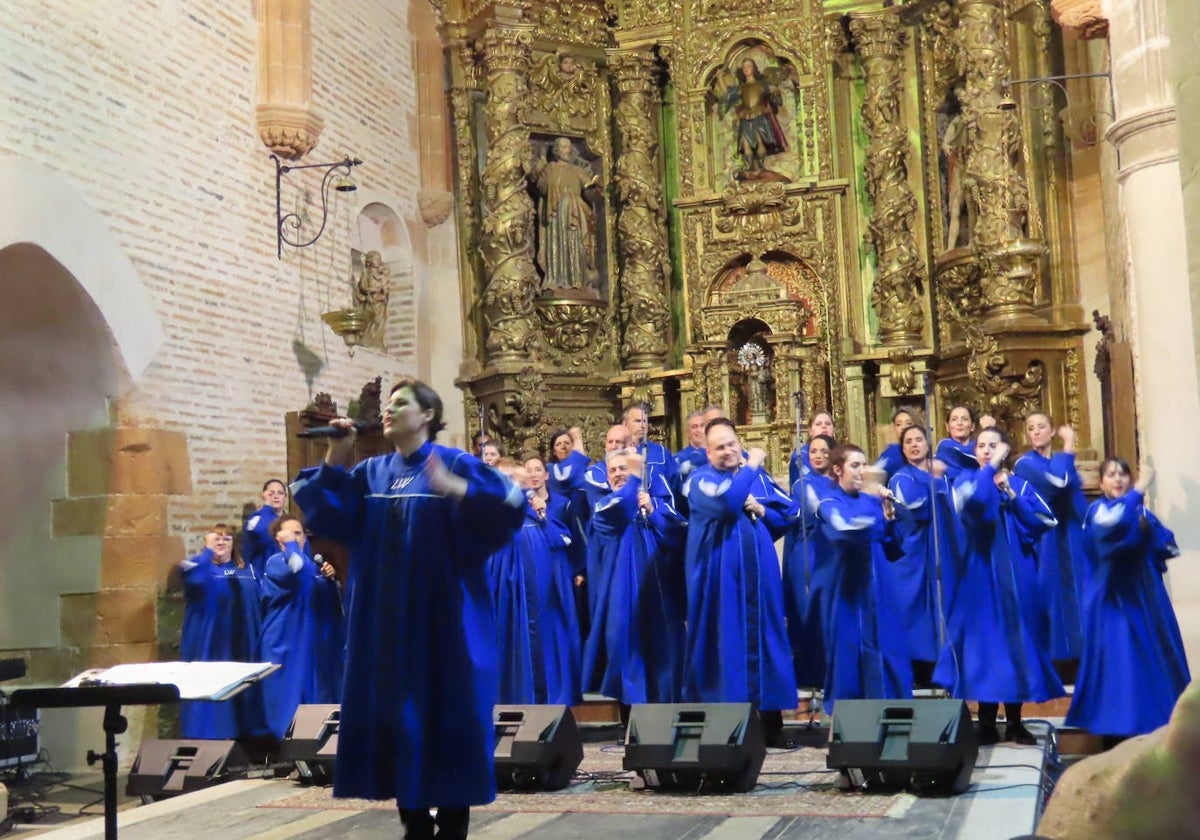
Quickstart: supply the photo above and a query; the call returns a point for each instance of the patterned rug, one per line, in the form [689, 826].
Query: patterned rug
[793, 783]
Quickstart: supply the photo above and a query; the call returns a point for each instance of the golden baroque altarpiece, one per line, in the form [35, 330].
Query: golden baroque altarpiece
[777, 208]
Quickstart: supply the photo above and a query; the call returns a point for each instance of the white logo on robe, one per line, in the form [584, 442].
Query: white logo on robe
[403, 481]
[712, 488]
[1106, 516]
[1056, 481]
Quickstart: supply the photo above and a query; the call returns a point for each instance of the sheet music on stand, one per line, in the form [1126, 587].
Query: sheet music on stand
[195, 680]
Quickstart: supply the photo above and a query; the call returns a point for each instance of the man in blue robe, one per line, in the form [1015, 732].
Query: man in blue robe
[737, 647]
[257, 542]
[421, 662]
[634, 652]
[693, 455]
[661, 469]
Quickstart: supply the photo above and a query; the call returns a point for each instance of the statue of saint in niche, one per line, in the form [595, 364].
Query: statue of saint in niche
[371, 292]
[754, 96]
[956, 209]
[566, 223]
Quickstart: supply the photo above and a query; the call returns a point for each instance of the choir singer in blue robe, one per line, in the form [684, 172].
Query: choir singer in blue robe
[421, 669]
[634, 652]
[1133, 667]
[737, 646]
[222, 622]
[257, 543]
[994, 653]
[1061, 556]
[302, 628]
[865, 652]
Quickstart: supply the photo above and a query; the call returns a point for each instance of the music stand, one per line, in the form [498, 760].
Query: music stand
[111, 698]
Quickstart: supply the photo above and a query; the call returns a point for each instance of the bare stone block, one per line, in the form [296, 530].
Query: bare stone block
[109, 516]
[112, 617]
[138, 561]
[127, 460]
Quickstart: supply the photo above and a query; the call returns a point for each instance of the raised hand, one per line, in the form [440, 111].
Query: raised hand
[756, 457]
[937, 468]
[442, 481]
[636, 463]
[1067, 435]
[539, 506]
[1145, 477]
[340, 450]
[999, 454]
[987, 421]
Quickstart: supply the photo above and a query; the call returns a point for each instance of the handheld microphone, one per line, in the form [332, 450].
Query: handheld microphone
[753, 516]
[529, 494]
[337, 431]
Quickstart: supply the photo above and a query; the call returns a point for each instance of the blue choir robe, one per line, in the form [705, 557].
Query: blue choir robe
[958, 457]
[421, 669]
[222, 622]
[865, 651]
[737, 647]
[566, 480]
[1062, 562]
[634, 650]
[534, 598]
[689, 458]
[807, 576]
[257, 542]
[925, 574]
[798, 464]
[994, 652]
[298, 603]
[660, 464]
[1133, 667]
[891, 459]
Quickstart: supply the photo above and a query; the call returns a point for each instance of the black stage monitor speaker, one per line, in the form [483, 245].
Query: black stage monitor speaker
[165, 768]
[695, 746]
[311, 742]
[928, 745]
[537, 747]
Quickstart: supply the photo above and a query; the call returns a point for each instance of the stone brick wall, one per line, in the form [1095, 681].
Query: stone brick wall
[149, 114]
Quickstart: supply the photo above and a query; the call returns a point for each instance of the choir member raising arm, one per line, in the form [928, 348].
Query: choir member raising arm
[421, 662]
[1061, 556]
[1133, 667]
[737, 647]
[929, 545]
[634, 648]
[865, 654]
[993, 654]
[222, 622]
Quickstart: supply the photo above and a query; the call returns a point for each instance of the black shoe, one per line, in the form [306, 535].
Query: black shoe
[1018, 734]
[987, 734]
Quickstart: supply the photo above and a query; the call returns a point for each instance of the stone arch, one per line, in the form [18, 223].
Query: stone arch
[39, 207]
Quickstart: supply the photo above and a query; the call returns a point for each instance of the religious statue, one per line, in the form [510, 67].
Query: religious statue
[755, 98]
[566, 223]
[371, 292]
[954, 167]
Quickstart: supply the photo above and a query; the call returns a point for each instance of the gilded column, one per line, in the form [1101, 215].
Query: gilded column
[900, 270]
[994, 185]
[287, 123]
[506, 232]
[641, 223]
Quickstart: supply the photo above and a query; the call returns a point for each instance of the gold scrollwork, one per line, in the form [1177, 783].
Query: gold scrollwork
[641, 222]
[900, 269]
[562, 94]
[506, 234]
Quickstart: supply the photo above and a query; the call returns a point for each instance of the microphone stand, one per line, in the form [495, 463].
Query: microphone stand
[935, 528]
[798, 400]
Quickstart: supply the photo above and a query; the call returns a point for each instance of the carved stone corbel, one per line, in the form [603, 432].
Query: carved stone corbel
[286, 121]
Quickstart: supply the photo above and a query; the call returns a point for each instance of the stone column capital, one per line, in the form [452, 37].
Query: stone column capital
[877, 34]
[1085, 19]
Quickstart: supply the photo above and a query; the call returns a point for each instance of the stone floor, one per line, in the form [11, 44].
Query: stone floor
[1003, 802]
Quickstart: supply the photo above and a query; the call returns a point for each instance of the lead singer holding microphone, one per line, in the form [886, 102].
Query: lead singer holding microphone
[737, 645]
[421, 673]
